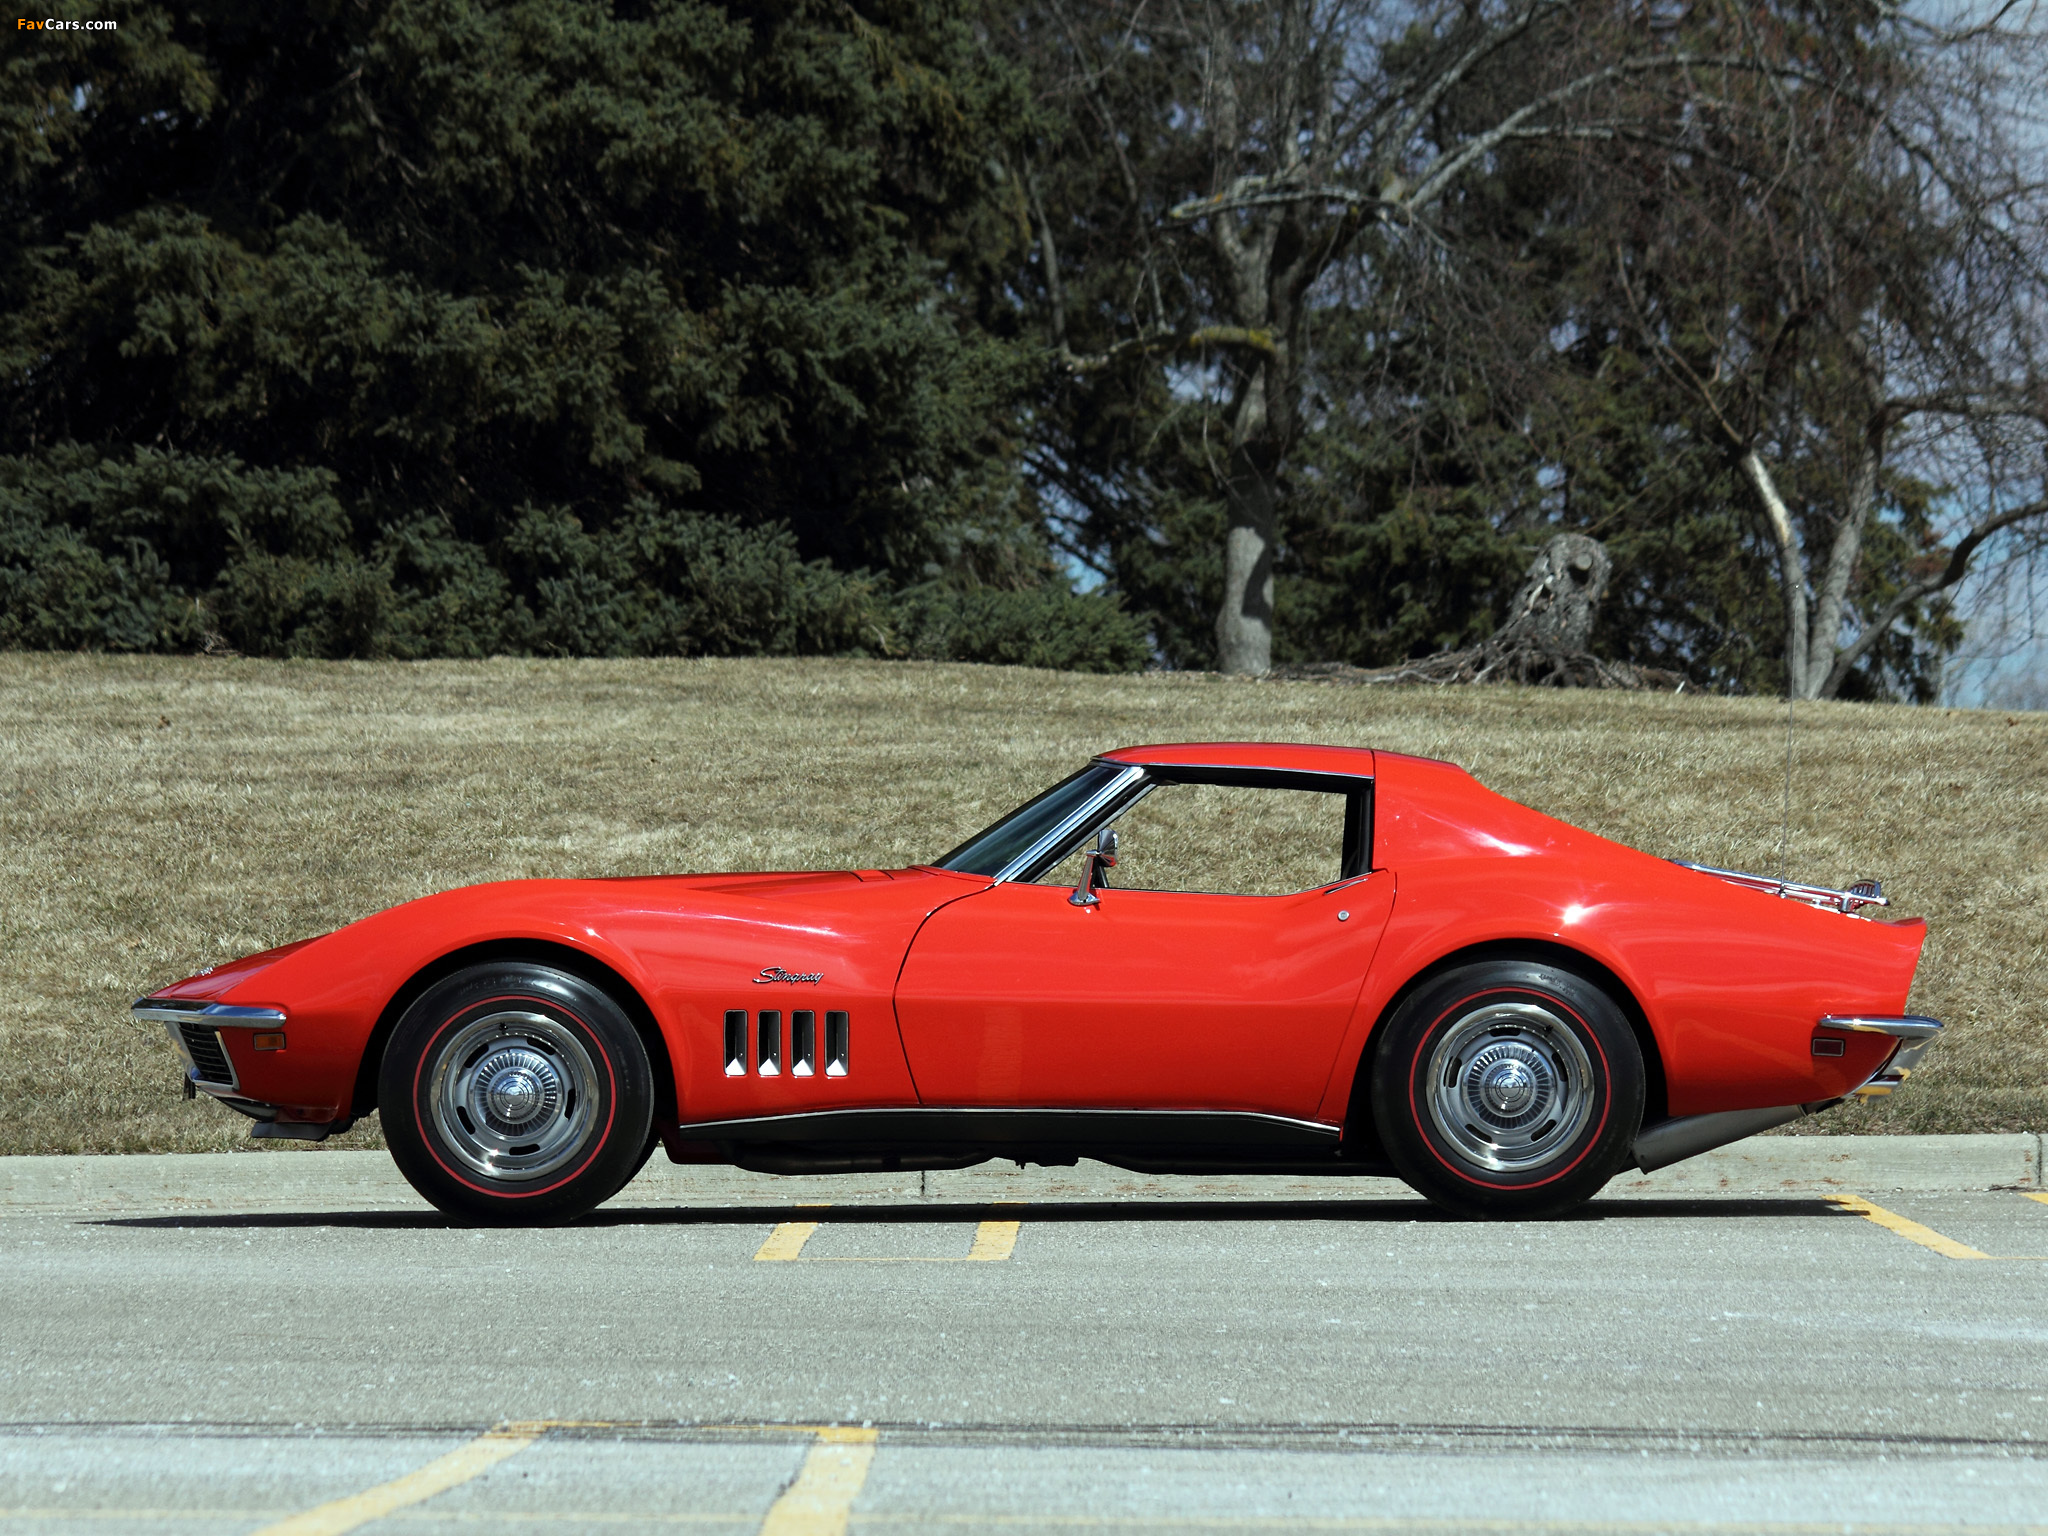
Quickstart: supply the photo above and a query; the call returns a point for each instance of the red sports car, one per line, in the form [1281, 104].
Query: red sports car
[1198, 957]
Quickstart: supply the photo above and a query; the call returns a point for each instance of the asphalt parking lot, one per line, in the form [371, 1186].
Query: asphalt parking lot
[1689, 1364]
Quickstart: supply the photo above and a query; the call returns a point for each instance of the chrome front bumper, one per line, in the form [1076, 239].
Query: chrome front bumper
[194, 1029]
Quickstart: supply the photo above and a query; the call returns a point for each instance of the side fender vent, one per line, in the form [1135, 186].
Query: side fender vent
[803, 1043]
[754, 1043]
[836, 1044]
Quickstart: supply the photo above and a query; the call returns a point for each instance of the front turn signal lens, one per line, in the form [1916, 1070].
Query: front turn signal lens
[269, 1040]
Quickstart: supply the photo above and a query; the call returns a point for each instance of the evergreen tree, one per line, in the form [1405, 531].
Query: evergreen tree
[424, 327]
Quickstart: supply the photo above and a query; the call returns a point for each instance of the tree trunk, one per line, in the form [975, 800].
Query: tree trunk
[1828, 665]
[1258, 444]
[1815, 664]
[1791, 571]
[1244, 623]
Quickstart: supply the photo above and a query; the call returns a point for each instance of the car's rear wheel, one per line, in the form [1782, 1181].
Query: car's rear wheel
[516, 1093]
[1508, 1089]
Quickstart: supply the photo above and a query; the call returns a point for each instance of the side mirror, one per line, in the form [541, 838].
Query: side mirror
[1102, 856]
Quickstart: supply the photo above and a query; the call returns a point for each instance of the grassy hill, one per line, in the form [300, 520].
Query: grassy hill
[158, 814]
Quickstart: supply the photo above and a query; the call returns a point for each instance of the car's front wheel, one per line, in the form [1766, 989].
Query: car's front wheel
[1508, 1089]
[516, 1093]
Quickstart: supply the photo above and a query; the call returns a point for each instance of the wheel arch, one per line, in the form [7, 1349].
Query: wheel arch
[1656, 1102]
[562, 957]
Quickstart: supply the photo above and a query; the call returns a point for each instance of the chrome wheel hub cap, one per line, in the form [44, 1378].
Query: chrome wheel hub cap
[512, 1096]
[1510, 1083]
[1510, 1087]
[517, 1087]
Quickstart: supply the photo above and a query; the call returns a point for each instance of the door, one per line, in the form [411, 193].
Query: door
[1216, 971]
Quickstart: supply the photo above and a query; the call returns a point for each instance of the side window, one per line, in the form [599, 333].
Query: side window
[1224, 840]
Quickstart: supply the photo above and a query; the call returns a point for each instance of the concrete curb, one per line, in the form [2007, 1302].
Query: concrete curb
[309, 1180]
[1865, 1164]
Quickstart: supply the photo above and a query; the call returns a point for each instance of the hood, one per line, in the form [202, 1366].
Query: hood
[216, 981]
[767, 883]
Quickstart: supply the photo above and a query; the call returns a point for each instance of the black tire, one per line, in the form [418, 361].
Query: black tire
[516, 1094]
[1510, 1089]
[634, 1166]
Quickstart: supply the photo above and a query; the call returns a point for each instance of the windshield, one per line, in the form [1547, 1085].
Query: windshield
[994, 850]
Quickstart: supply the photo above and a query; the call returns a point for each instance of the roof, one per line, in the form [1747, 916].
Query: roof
[1297, 757]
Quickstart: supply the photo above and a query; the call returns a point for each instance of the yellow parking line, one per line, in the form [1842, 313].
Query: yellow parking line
[787, 1241]
[994, 1241]
[1912, 1231]
[437, 1476]
[820, 1501]
[1927, 1237]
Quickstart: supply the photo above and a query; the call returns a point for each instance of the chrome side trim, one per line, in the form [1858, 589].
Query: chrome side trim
[153, 1010]
[1329, 1165]
[1864, 894]
[1022, 1127]
[1089, 810]
[1332, 782]
[1911, 1026]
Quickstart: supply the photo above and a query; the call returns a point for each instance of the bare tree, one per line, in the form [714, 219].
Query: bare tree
[1862, 324]
[1286, 138]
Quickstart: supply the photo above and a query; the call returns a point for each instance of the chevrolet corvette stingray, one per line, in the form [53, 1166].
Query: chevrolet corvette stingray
[1190, 958]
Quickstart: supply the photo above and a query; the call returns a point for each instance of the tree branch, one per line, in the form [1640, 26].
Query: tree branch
[1163, 342]
[1446, 79]
[1957, 568]
[1049, 254]
[1268, 192]
[1272, 191]
[1453, 162]
[1736, 440]
[1974, 405]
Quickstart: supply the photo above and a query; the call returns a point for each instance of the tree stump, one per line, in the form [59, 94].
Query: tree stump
[1555, 609]
[1543, 641]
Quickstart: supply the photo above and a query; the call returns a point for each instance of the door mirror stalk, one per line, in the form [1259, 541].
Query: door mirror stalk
[1097, 859]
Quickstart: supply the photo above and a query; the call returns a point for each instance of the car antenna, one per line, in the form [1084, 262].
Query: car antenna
[1785, 837]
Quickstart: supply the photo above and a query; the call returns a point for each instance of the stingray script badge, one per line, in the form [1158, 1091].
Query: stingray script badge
[771, 973]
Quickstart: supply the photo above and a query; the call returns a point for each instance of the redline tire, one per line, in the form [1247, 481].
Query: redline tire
[516, 1094]
[1508, 1089]
[634, 1165]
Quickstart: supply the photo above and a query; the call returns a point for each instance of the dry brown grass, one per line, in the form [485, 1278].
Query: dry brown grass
[160, 814]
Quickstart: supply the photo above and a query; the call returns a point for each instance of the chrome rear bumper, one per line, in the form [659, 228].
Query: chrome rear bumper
[1672, 1141]
[1914, 1032]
